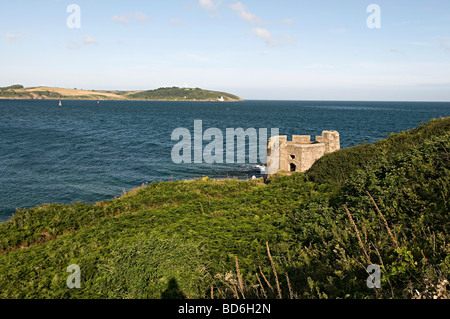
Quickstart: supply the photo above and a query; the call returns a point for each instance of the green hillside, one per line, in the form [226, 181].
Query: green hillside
[309, 235]
[14, 92]
[176, 93]
[165, 94]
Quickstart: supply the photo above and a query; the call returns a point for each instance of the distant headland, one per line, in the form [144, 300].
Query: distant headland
[162, 94]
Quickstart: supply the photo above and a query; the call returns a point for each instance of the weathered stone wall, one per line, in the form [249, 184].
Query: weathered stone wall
[300, 154]
[331, 140]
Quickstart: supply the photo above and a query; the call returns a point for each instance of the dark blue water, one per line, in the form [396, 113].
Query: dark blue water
[84, 151]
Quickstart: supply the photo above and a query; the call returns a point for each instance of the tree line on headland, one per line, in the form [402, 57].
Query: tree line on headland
[162, 94]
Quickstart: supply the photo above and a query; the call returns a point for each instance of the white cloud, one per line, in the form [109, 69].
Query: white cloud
[124, 19]
[245, 15]
[140, 16]
[270, 39]
[397, 51]
[89, 40]
[12, 37]
[127, 18]
[288, 38]
[262, 33]
[206, 4]
[210, 6]
[252, 18]
[266, 35]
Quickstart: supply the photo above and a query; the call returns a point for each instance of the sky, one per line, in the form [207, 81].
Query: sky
[257, 49]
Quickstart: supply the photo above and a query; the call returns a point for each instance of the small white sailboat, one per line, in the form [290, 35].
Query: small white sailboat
[60, 103]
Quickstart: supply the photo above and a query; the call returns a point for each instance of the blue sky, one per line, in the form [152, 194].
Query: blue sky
[258, 49]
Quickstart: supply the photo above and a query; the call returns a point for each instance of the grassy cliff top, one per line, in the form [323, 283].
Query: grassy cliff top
[163, 94]
[309, 235]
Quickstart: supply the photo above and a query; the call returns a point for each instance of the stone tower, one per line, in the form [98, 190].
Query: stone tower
[299, 154]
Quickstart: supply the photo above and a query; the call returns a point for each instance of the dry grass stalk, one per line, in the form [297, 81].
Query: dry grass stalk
[274, 271]
[262, 287]
[265, 279]
[365, 235]
[357, 233]
[241, 284]
[425, 258]
[235, 292]
[384, 219]
[221, 293]
[228, 280]
[291, 295]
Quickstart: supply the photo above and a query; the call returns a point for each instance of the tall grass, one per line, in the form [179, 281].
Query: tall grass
[302, 236]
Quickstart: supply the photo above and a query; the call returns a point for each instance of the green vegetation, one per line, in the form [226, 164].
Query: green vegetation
[12, 87]
[176, 93]
[164, 94]
[307, 235]
[14, 92]
[338, 167]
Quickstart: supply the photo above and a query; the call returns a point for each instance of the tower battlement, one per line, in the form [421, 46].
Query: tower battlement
[301, 153]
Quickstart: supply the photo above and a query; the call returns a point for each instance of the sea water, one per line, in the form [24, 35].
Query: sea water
[88, 151]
